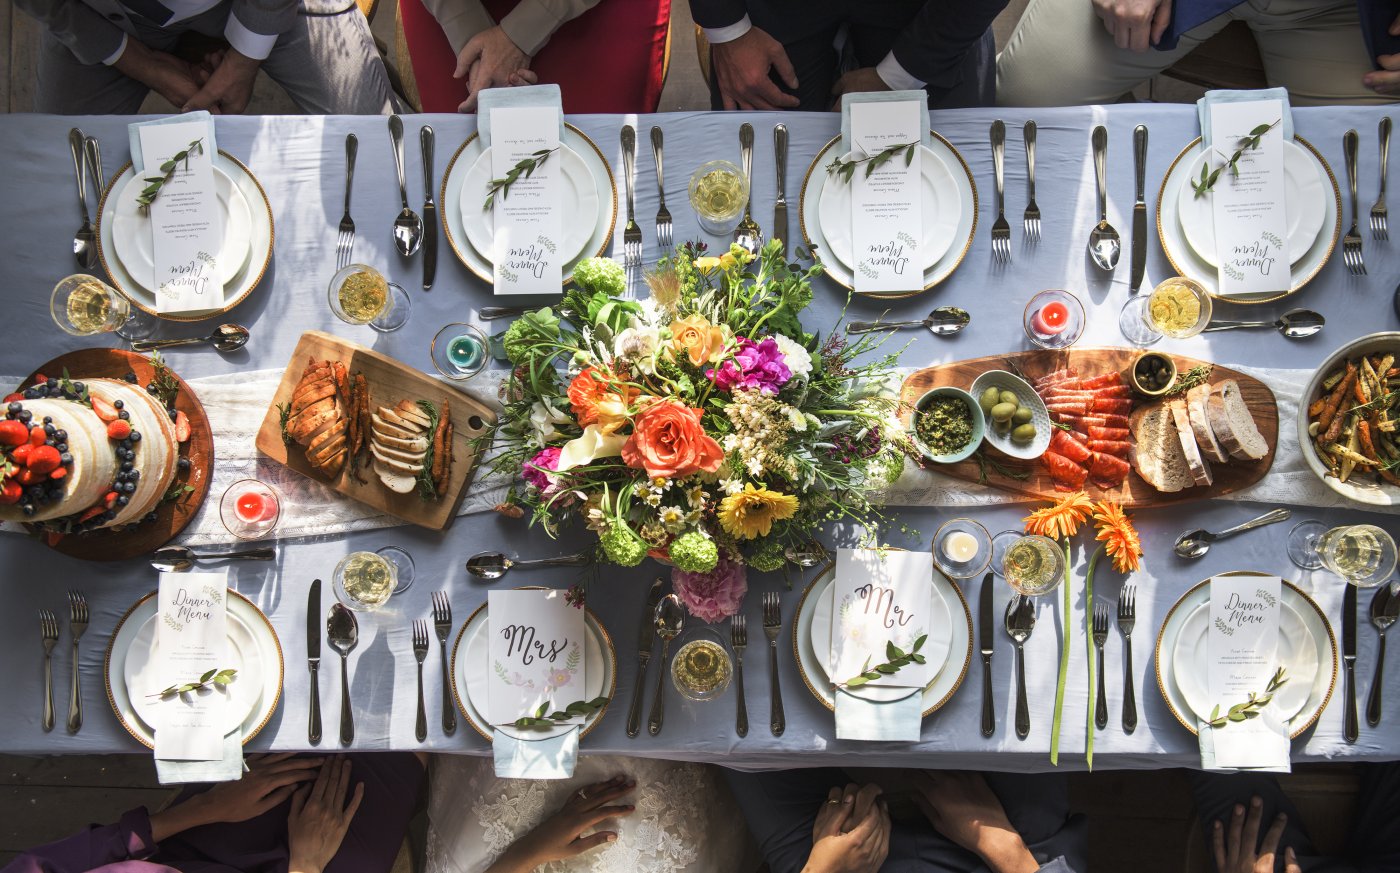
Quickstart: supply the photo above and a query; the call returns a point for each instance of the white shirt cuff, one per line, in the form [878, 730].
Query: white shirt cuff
[253, 45]
[729, 33]
[892, 73]
[116, 55]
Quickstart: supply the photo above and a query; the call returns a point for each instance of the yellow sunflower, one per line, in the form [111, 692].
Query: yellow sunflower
[1120, 538]
[750, 513]
[1063, 518]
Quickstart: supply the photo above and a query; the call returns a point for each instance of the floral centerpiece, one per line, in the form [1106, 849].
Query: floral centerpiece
[704, 426]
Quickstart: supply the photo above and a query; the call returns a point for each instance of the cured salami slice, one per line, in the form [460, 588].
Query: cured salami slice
[1105, 420]
[1109, 433]
[1067, 474]
[1061, 443]
[1103, 380]
[1116, 448]
[1113, 405]
[1108, 471]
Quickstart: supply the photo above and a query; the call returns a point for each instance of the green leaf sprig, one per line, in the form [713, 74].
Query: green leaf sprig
[1250, 708]
[1209, 176]
[847, 169]
[897, 658]
[215, 677]
[154, 184]
[1188, 380]
[164, 381]
[986, 462]
[577, 709]
[527, 167]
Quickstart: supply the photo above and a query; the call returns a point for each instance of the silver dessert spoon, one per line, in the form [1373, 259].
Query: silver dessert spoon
[343, 633]
[225, 338]
[1294, 324]
[943, 321]
[1104, 242]
[494, 565]
[178, 559]
[408, 227]
[1194, 544]
[670, 618]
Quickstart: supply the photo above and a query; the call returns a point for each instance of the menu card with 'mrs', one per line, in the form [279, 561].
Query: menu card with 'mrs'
[1251, 218]
[887, 205]
[191, 639]
[1242, 647]
[528, 258]
[536, 654]
[880, 599]
[186, 224]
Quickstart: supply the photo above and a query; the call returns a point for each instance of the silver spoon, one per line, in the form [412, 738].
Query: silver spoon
[808, 554]
[943, 321]
[84, 241]
[225, 338]
[494, 565]
[748, 234]
[408, 227]
[1294, 324]
[670, 618]
[178, 559]
[1385, 609]
[343, 633]
[1194, 544]
[1104, 243]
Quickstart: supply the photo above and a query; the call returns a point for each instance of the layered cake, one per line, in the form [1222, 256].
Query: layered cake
[86, 455]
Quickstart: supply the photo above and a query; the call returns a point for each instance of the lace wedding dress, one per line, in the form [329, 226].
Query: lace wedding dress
[685, 821]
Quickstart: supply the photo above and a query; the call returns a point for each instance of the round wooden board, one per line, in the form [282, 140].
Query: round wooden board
[171, 516]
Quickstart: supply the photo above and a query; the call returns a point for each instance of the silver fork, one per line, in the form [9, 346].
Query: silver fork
[1100, 637]
[631, 234]
[772, 627]
[442, 626]
[663, 215]
[1380, 229]
[738, 639]
[345, 239]
[1001, 230]
[1127, 617]
[1351, 243]
[420, 653]
[1031, 221]
[1020, 621]
[77, 623]
[48, 630]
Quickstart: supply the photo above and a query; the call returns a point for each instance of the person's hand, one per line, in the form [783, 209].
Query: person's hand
[1234, 846]
[229, 86]
[270, 780]
[852, 832]
[961, 806]
[741, 69]
[489, 60]
[1135, 24]
[320, 817]
[856, 81]
[208, 64]
[562, 835]
[170, 77]
[1386, 80]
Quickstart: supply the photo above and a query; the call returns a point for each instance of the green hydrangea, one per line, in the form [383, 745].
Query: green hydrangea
[527, 330]
[601, 274]
[623, 546]
[767, 557]
[693, 552]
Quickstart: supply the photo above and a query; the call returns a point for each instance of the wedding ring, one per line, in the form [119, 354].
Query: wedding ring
[834, 802]
[582, 794]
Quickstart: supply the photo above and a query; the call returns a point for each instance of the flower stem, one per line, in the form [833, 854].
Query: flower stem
[1089, 643]
[1064, 666]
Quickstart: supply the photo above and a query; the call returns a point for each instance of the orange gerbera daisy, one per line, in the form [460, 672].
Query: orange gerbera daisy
[599, 397]
[1063, 519]
[1120, 538]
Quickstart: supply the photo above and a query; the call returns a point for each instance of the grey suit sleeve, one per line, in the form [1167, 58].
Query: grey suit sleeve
[931, 48]
[90, 37]
[1059, 865]
[460, 20]
[254, 25]
[532, 22]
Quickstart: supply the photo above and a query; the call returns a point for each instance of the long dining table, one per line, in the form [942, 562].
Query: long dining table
[299, 162]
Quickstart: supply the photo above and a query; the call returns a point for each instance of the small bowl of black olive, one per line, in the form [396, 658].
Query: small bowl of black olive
[1152, 374]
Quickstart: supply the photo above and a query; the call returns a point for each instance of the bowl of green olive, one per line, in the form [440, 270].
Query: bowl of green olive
[947, 425]
[1018, 424]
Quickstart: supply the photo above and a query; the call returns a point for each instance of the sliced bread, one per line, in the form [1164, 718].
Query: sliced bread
[1233, 423]
[1199, 466]
[1200, 425]
[1157, 455]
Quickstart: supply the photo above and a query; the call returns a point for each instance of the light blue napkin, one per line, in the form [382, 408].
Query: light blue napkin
[896, 721]
[133, 135]
[1267, 756]
[526, 95]
[1224, 96]
[551, 758]
[880, 97]
[226, 769]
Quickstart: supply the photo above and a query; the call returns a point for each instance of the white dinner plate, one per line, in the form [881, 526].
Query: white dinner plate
[470, 675]
[578, 203]
[243, 654]
[131, 234]
[1306, 188]
[122, 645]
[940, 210]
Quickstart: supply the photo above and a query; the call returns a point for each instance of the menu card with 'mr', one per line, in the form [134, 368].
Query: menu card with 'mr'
[1251, 218]
[887, 204]
[191, 640]
[1242, 647]
[880, 599]
[186, 222]
[528, 258]
[536, 653]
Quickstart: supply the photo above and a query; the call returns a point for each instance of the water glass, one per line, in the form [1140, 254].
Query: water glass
[1034, 565]
[364, 581]
[701, 669]
[360, 294]
[718, 193]
[83, 305]
[250, 509]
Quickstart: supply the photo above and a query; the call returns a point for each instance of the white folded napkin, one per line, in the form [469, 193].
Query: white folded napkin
[1227, 96]
[1224, 751]
[879, 97]
[894, 721]
[133, 134]
[526, 95]
[226, 769]
[548, 758]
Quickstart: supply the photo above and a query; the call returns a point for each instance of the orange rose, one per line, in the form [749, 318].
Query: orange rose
[597, 399]
[668, 440]
[700, 340]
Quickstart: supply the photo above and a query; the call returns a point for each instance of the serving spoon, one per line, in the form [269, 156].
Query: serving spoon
[1104, 242]
[1194, 544]
[225, 338]
[1294, 324]
[178, 559]
[943, 321]
[343, 633]
[494, 565]
[408, 227]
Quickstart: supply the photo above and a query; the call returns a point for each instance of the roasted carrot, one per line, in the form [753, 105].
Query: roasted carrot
[1334, 401]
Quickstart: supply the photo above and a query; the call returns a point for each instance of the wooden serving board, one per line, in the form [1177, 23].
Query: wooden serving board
[389, 382]
[1134, 492]
[171, 516]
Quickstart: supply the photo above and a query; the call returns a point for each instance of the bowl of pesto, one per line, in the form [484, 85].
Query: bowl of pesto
[947, 425]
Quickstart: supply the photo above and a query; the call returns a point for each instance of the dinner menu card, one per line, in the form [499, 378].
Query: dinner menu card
[1251, 218]
[186, 221]
[191, 639]
[886, 205]
[1242, 647]
[880, 599]
[536, 653]
[528, 258]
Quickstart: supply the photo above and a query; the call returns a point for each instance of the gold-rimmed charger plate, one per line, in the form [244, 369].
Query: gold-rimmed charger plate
[1324, 683]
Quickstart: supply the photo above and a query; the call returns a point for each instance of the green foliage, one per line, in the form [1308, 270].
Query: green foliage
[601, 275]
[895, 659]
[622, 545]
[1249, 708]
[527, 167]
[577, 709]
[215, 677]
[845, 169]
[693, 552]
[1209, 176]
[154, 184]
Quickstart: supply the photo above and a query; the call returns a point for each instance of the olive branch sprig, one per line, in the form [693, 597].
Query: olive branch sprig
[154, 184]
[897, 658]
[1250, 708]
[1209, 176]
[528, 166]
[847, 169]
[216, 677]
[577, 709]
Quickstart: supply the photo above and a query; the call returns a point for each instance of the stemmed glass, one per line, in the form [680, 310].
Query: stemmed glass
[701, 669]
[360, 294]
[1034, 565]
[1167, 311]
[83, 305]
[1362, 554]
[250, 509]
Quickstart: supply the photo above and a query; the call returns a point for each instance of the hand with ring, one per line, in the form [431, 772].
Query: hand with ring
[567, 833]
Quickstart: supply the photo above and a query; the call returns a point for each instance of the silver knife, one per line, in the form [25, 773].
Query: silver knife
[780, 216]
[634, 715]
[985, 626]
[1139, 207]
[425, 138]
[313, 658]
[1352, 728]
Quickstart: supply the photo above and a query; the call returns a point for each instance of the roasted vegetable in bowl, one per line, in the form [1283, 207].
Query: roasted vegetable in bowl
[1354, 419]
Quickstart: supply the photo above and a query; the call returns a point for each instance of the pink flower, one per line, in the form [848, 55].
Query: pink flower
[715, 595]
[535, 471]
[758, 365]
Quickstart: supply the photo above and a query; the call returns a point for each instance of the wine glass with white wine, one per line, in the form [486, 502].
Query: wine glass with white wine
[360, 294]
[84, 305]
[1034, 565]
[1362, 554]
[364, 581]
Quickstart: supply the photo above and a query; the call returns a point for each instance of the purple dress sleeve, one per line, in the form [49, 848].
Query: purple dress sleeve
[118, 848]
